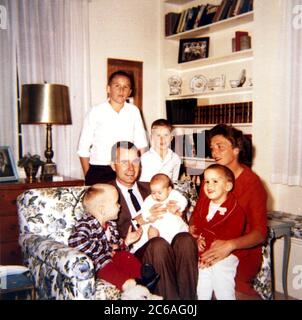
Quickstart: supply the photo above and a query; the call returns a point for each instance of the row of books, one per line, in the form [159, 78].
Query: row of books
[181, 111]
[202, 15]
[241, 112]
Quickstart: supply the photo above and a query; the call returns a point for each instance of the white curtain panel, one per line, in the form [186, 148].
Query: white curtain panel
[53, 47]
[287, 144]
[8, 80]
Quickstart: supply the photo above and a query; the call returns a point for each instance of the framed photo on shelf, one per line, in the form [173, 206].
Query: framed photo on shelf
[8, 169]
[193, 49]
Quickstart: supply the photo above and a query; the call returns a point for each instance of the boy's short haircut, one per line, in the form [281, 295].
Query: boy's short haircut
[162, 178]
[123, 74]
[162, 123]
[228, 173]
[97, 190]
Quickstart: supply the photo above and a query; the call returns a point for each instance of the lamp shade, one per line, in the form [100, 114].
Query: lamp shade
[45, 103]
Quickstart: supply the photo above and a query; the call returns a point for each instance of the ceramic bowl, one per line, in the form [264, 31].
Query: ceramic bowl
[234, 83]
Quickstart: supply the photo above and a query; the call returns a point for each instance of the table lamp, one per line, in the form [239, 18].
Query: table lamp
[45, 104]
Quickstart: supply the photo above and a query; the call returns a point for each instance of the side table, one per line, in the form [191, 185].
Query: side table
[281, 229]
[17, 284]
[10, 253]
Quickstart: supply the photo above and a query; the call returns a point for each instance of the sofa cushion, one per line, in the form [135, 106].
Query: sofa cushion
[50, 212]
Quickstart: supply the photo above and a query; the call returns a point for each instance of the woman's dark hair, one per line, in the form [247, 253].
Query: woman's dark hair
[237, 139]
[123, 73]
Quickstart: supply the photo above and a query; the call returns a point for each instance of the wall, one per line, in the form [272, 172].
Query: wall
[266, 77]
[281, 197]
[126, 29]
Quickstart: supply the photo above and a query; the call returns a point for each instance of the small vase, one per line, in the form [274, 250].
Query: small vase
[31, 173]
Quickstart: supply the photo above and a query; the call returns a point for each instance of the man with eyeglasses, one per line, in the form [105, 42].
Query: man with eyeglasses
[176, 264]
[107, 123]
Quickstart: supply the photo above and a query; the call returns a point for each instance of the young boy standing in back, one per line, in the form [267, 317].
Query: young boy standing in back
[160, 158]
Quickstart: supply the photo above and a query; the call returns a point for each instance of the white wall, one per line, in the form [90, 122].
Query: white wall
[266, 77]
[281, 197]
[126, 29]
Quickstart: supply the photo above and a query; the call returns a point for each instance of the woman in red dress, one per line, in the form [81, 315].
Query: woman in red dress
[228, 148]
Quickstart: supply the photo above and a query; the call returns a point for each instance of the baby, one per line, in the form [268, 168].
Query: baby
[168, 224]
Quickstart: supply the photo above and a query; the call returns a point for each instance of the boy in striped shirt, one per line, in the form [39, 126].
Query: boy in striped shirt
[96, 235]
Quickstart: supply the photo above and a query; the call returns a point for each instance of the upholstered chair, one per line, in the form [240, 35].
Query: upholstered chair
[46, 217]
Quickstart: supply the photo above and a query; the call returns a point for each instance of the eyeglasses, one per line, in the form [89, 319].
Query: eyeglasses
[125, 163]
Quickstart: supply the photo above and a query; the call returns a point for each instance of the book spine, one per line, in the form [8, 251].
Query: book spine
[245, 42]
[238, 35]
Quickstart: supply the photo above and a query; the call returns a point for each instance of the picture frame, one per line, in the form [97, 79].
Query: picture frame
[193, 49]
[8, 169]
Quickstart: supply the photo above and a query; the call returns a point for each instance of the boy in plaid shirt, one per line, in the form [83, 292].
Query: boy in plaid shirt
[96, 235]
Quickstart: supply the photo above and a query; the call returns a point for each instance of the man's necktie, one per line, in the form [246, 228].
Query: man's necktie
[135, 203]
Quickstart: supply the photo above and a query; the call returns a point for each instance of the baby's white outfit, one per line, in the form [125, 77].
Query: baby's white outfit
[168, 225]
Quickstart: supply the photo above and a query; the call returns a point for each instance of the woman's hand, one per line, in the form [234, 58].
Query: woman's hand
[201, 243]
[156, 212]
[192, 230]
[219, 250]
[133, 236]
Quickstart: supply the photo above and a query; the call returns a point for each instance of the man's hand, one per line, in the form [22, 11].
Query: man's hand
[133, 236]
[156, 212]
[219, 250]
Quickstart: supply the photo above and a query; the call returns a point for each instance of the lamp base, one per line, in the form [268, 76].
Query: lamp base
[49, 170]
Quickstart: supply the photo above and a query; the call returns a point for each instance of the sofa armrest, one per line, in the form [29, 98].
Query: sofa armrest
[66, 260]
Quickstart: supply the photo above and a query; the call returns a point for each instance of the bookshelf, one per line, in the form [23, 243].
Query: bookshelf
[221, 63]
[216, 93]
[223, 25]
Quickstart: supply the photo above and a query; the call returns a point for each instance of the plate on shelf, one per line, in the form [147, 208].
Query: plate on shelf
[198, 83]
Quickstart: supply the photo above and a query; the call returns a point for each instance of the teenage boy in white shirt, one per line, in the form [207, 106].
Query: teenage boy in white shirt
[107, 123]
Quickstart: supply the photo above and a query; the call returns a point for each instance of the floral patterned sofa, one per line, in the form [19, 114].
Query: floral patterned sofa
[46, 217]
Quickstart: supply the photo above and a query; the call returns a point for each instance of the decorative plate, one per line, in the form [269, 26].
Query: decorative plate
[198, 83]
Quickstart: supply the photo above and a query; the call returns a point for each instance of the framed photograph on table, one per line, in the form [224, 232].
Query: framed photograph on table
[8, 169]
[193, 49]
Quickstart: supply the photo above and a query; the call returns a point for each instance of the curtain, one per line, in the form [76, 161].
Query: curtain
[52, 45]
[8, 80]
[287, 143]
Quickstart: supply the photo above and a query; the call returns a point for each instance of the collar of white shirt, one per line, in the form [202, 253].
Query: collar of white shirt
[213, 207]
[166, 158]
[126, 195]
